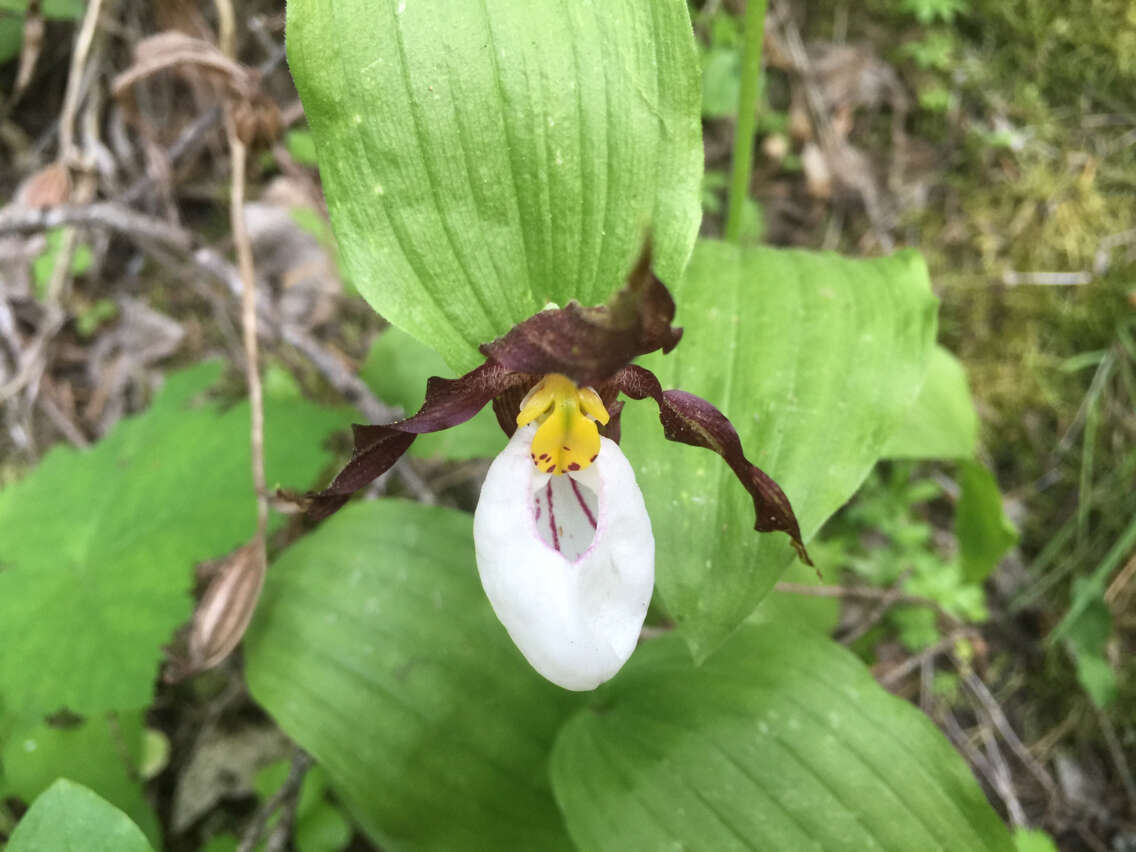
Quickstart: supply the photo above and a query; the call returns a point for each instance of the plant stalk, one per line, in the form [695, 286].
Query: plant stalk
[747, 118]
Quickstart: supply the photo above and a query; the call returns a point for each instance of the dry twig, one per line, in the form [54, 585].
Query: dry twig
[993, 709]
[886, 597]
[33, 358]
[944, 645]
[980, 762]
[193, 137]
[1003, 778]
[238, 154]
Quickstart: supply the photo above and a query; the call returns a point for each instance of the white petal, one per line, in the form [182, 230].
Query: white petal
[575, 613]
[566, 513]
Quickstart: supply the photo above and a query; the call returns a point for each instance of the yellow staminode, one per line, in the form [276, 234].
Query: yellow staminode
[568, 439]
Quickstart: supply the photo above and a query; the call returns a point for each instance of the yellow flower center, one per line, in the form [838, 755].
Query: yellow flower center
[568, 438]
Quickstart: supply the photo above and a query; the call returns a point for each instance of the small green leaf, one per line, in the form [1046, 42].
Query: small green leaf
[1088, 590]
[155, 753]
[12, 21]
[270, 778]
[918, 626]
[301, 146]
[220, 843]
[780, 741]
[11, 37]
[1033, 840]
[68, 817]
[323, 829]
[94, 315]
[1087, 639]
[68, 10]
[984, 532]
[103, 754]
[397, 368]
[721, 81]
[482, 159]
[375, 649]
[319, 826]
[814, 358]
[942, 422]
[44, 265]
[99, 545]
[1096, 676]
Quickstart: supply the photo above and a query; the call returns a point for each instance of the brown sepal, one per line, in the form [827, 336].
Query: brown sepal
[507, 406]
[612, 430]
[448, 403]
[689, 419]
[589, 345]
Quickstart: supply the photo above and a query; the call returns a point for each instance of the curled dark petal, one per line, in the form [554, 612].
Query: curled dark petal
[612, 430]
[448, 403]
[376, 450]
[689, 419]
[589, 344]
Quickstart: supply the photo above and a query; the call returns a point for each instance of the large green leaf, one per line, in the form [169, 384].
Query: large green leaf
[781, 740]
[97, 547]
[70, 818]
[814, 358]
[484, 157]
[374, 648]
[103, 754]
[942, 422]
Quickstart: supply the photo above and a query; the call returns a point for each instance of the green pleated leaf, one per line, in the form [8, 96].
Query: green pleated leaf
[781, 740]
[374, 649]
[70, 818]
[103, 754]
[97, 547]
[942, 422]
[814, 358]
[484, 157]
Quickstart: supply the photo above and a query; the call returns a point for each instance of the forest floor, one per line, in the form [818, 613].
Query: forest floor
[998, 138]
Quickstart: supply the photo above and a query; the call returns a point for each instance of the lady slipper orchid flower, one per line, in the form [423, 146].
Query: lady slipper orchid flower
[563, 542]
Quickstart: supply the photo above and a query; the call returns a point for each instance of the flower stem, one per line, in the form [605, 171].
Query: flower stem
[747, 117]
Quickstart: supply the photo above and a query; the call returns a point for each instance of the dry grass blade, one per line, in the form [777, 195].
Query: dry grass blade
[30, 50]
[239, 153]
[991, 708]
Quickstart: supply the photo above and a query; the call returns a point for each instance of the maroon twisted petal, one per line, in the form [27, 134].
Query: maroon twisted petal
[448, 403]
[689, 419]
